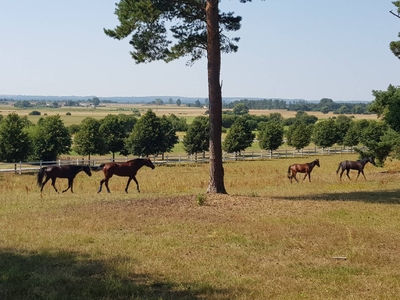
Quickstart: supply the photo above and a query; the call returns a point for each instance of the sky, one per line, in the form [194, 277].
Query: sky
[288, 49]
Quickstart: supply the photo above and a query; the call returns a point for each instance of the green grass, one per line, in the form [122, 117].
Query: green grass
[267, 239]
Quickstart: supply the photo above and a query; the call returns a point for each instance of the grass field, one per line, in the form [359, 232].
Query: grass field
[267, 239]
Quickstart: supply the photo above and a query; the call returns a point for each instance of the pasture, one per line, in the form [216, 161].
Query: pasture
[267, 239]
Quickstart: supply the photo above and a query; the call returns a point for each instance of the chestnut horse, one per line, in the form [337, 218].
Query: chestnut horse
[127, 169]
[358, 165]
[65, 171]
[302, 168]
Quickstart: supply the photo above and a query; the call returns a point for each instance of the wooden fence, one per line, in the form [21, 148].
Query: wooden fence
[31, 167]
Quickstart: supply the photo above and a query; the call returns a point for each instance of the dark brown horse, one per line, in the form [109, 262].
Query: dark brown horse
[302, 168]
[358, 165]
[127, 169]
[66, 171]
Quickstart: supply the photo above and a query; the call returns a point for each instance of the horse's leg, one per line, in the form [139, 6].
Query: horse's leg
[294, 175]
[44, 182]
[53, 183]
[106, 183]
[341, 173]
[70, 180]
[362, 171]
[347, 173]
[127, 184]
[101, 185]
[137, 184]
[305, 175]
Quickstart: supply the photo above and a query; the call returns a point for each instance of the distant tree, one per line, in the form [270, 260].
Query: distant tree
[228, 120]
[179, 124]
[73, 128]
[324, 133]
[22, 103]
[299, 135]
[372, 137]
[270, 137]
[50, 138]
[159, 101]
[197, 136]
[325, 109]
[169, 137]
[342, 125]
[113, 132]
[239, 137]
[178, 102]
[275, 117]
[15, 143]
[395, 45]
[149, 136]
[95, 101]
[88, 140]
[240, 109]
[129, 122]
[170, 101]
[387, 106]
[351, 138]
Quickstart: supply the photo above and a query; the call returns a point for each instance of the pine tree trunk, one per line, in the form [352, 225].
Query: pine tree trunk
[216, 184]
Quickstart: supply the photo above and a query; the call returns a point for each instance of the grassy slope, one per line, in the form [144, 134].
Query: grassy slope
[268, 239]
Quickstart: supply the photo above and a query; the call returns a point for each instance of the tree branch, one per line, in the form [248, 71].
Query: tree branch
[394, 14]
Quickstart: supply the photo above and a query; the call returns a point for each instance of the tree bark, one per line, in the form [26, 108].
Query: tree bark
[216, 184]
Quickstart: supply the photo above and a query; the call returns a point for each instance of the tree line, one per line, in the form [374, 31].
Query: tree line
[124, 134]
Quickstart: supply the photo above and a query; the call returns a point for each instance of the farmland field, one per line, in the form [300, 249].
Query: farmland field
[267, 239]
[79, 113]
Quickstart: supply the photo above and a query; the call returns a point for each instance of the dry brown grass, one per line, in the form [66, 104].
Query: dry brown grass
[268, 239]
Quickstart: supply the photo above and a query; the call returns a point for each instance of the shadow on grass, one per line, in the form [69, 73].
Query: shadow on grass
[387, 197]
[66, 275]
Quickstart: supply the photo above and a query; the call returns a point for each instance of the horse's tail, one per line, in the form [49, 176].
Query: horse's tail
[98, 168]
[288, 172]
[40, 176]
[337, 171]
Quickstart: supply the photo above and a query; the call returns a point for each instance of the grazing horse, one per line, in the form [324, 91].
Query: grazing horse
[127, 169]
[66, 171]
[302, 168]
[358, 165]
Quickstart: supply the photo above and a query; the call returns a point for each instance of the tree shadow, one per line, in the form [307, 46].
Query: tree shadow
[386, 197]
[66, 275]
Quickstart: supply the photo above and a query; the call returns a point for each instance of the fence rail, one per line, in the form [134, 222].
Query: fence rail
[31, 167]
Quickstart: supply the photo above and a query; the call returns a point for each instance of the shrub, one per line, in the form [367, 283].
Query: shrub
[35, 113]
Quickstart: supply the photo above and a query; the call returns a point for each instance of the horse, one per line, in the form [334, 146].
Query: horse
[65, 171]
[358, 165]
[302, 168]
[127, 169]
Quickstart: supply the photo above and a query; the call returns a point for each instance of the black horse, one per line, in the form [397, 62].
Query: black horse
[127, 169]
[358, 165]
[65, 171]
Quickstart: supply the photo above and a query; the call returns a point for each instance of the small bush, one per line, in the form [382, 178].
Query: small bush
[200, 199]
[68, 114]
[35, 113]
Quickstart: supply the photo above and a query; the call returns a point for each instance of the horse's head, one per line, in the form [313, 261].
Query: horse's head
[148, 163]
[87, 170]
[372, 161]
[317, 162]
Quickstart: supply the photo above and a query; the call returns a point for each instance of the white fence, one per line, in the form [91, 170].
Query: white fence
[31, 167]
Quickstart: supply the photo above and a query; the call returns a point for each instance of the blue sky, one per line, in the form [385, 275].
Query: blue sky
[288, 49]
